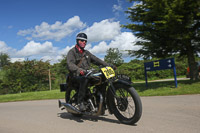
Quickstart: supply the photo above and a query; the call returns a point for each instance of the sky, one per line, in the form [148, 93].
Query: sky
[46, 29]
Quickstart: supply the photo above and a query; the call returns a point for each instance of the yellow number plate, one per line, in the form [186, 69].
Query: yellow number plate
[108, 72]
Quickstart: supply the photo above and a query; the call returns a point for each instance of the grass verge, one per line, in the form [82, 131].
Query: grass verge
[28, 96]
[164, 88]
[161, 88]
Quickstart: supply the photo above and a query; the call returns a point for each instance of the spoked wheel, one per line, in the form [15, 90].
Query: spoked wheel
[126, 105]
[71, 98]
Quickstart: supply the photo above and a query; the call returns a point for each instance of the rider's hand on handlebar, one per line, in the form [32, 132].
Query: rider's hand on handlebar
[82, 73]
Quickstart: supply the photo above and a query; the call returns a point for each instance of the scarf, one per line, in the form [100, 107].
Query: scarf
[79, 49]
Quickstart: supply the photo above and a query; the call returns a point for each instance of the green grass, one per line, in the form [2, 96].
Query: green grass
[162, 88]
[40, 95]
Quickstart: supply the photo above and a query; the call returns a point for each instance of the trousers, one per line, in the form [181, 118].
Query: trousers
[83, 83]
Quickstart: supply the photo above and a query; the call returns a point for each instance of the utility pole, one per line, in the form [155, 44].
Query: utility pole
[49, 79]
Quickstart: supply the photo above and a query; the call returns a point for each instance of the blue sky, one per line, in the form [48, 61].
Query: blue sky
[46, 29]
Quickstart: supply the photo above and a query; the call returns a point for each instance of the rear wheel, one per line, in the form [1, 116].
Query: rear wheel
[126, 106]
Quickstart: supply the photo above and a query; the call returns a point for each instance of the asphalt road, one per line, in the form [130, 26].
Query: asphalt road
[166, 114]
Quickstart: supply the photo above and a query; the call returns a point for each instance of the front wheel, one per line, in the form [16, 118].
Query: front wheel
[126, 105]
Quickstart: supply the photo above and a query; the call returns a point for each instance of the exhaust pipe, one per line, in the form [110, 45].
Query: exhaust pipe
[100, 106]
[73, 110]
[69, 107]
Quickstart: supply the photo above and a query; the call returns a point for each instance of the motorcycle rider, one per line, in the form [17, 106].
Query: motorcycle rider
[78, 61]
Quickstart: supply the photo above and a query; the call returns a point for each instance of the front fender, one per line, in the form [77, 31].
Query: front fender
[124, 82]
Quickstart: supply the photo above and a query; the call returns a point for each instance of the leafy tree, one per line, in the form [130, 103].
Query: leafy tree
[4, 59]
[165, 28]
[26, 76]
[60, 69]
[113, 56]
[135, 69]
[63, 66]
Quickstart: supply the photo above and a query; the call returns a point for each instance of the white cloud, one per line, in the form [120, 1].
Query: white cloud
[135, 4]
[123, 41]
[17, 59]
[32, 48]
[6, 49]
[3, 47]
[106, 34]
[104, 30]
[65, 50]
[10, 51]
[56, 31]
[98, 49]
[118, 7]
[51, 59]
[46, 51]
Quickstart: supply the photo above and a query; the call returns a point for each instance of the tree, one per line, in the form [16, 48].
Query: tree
[4, 59]
[165, 28]
[30, 75]
[61, 68]
[114, 56]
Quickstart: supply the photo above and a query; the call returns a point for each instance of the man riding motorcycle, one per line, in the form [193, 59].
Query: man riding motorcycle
[78, 61]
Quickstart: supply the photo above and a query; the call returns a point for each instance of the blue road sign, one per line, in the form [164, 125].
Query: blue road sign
[160, 65]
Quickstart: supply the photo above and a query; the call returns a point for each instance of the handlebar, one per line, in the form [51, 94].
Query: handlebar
[91, 74]
[88, 73]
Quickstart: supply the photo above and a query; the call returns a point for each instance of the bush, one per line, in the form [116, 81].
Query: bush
[25, 76]
[33, 75]
[135, 69]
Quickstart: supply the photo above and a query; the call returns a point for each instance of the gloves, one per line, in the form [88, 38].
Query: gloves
[82, 73]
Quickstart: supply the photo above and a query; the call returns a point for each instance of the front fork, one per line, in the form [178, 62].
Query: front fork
[110, 93]
[111, 88]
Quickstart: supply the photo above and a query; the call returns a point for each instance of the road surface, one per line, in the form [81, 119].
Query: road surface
[161, 114]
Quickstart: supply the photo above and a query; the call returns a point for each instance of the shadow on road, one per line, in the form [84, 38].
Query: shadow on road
[69, 116]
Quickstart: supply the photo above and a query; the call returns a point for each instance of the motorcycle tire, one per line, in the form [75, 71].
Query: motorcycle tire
[122, 103]
[71, 98]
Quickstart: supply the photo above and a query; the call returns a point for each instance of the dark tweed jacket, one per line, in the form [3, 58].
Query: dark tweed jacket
[74, 57]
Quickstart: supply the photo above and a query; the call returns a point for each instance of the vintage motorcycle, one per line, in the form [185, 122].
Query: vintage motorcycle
[106, 90]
